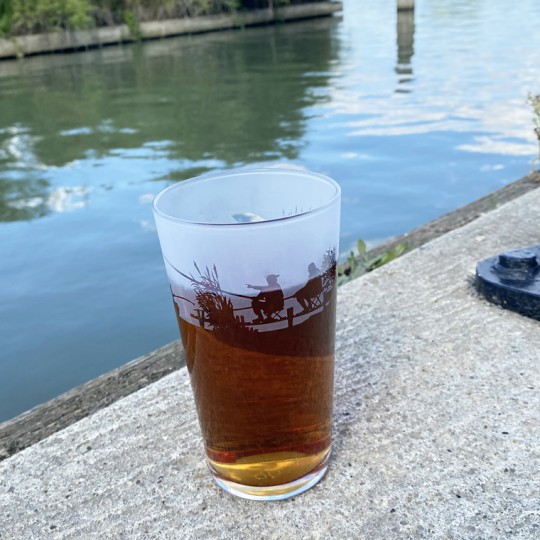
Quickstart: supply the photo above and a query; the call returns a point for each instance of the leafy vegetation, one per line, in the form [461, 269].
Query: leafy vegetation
[27, 16]
[362, 262]
[535, 103]
[33, 16]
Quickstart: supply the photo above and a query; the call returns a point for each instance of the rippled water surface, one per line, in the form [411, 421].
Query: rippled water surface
[412, 116]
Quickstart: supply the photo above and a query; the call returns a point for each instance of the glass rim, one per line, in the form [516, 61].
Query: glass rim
[239, 172]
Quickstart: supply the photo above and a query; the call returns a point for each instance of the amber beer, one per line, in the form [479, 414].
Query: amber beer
[264, 400]
[251, 261]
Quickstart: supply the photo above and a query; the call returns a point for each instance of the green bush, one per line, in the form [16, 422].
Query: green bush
[108, 12]
[32, 16]
[29, 16]
[5, 17]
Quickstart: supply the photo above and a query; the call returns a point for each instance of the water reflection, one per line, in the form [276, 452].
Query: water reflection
[23, 189]
[189, 105]
[22, 199]
[32, 198]
[405, 49]
[67, 199]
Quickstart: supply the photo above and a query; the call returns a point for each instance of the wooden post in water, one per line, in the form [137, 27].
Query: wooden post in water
[405, 43]
[403, 5]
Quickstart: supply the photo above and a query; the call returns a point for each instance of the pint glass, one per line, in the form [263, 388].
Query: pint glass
[251, 261]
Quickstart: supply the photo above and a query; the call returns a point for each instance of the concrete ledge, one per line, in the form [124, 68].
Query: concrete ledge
[98, 37]
[436, 425]
[58, 413]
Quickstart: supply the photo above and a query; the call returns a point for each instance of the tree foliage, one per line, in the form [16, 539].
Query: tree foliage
[33, 16]
[28, 16]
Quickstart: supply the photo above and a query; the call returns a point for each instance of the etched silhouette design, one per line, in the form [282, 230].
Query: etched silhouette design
[212, 307]
[272, 309]
[269, 302]
[310, 295]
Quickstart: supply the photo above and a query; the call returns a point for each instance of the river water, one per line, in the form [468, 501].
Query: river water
[413, 116]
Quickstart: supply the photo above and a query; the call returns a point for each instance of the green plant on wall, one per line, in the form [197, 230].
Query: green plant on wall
[133, 24]
[362, 262]
[535, 103]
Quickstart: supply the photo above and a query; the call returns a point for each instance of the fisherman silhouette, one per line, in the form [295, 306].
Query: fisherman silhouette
[308, 295]
[269, 301]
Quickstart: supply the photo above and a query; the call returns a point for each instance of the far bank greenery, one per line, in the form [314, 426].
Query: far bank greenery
[19, 17]
[534, 101]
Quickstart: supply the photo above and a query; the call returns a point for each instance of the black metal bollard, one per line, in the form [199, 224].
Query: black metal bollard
[512, 280]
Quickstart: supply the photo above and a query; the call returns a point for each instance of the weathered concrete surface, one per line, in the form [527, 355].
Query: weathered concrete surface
[62, 411]
[97, 37]
[437, 425]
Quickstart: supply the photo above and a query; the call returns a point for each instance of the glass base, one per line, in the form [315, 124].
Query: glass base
[274, 493]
